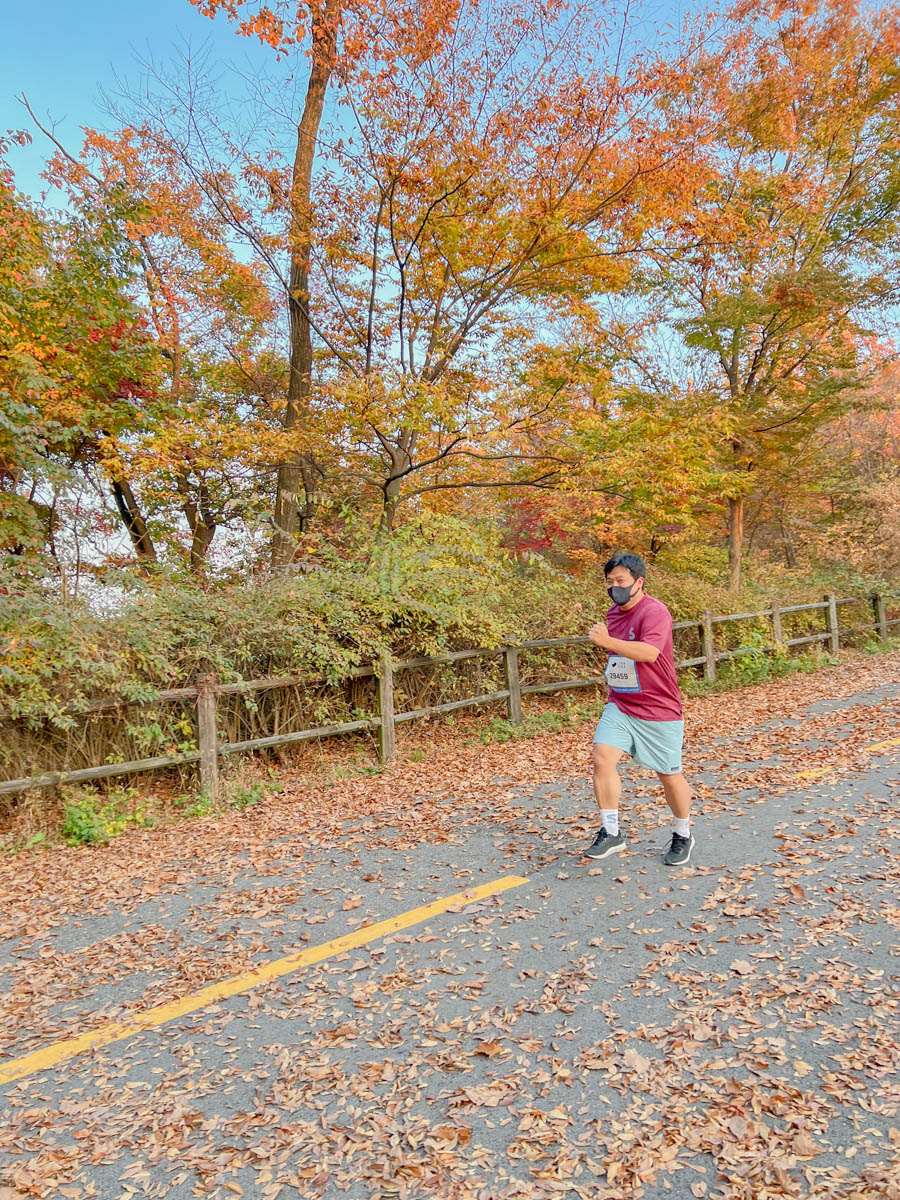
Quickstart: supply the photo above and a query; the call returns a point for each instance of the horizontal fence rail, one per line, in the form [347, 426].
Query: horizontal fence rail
[208, 689]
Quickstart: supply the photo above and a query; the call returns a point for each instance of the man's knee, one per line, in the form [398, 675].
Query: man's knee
[604, 758]
[673, 782]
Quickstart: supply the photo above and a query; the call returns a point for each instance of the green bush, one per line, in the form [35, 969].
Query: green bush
[755, 661]
[195, 805]
[875, 645]
[409, 598]
[499, 729]
[248, 796]
[93, 820]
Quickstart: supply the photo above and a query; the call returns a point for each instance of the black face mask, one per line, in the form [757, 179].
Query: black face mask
[620, 595]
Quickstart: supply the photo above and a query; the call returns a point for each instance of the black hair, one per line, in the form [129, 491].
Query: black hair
[631, 562]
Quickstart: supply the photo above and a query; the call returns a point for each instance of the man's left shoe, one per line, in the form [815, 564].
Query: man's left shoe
[679, 852]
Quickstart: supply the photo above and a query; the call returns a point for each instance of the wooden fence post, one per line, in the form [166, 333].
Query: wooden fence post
[833, 629]
[514, 700]
[709, 647]
[777, 631]
[386, 737]
[207, 738]
[880, 609]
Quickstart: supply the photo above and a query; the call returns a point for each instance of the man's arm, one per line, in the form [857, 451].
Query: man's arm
[638, 651]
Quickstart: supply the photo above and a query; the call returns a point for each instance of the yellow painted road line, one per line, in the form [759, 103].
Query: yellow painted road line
[884, 745]
[818, 772]
[49, 1056]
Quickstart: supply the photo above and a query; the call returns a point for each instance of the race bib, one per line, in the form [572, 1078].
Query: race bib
[621, 674]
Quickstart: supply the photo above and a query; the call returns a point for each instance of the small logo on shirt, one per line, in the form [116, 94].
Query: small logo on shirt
[631, 634]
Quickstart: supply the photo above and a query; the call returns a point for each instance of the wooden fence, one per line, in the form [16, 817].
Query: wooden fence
[208, 689]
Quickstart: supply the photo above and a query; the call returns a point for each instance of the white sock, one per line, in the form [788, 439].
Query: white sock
[683, 826]
[610, 820]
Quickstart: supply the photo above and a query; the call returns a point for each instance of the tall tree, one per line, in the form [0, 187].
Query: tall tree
[777, 269]
[297, 476]
[208, 313]
[74, 358]
[339, 37]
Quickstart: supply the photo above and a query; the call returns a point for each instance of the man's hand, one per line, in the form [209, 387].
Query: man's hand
[599, 635]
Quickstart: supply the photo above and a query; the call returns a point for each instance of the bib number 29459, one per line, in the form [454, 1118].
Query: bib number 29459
[621, 674]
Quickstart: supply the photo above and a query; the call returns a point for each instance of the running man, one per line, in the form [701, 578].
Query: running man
[643, 717]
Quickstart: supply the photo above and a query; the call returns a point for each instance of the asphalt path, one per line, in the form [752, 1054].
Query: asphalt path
[531, 1024]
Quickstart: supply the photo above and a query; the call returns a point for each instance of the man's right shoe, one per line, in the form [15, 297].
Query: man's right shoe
[605, 844]
[680, 849]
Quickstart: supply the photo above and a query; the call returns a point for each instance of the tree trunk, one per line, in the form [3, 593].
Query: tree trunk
[735, 541]
[133, 520]
[787, 544]
[201, 539]
[291, 471]
[388, 513]
[201, 520]
[400, 454]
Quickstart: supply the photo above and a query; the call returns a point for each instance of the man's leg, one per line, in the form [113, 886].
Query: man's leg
[678, 797]
[607, 784]
[678, 794]
[607, 792]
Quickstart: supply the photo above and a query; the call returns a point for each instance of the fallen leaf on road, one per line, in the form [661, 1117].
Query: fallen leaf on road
[635, 1061]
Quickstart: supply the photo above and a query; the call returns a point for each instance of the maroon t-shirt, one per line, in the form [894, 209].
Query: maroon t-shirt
[642, 689]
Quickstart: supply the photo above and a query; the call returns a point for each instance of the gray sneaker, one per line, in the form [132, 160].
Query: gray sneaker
[679, 851]
[605, 844]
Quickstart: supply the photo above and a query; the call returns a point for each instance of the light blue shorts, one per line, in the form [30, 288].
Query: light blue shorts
[652, 744]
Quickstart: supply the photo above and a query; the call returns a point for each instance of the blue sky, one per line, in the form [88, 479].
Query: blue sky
[62, 52]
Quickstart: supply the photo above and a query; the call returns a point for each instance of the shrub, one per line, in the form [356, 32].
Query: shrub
[755, 661]
[499, 729]
[92, 820]
[247, 796]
